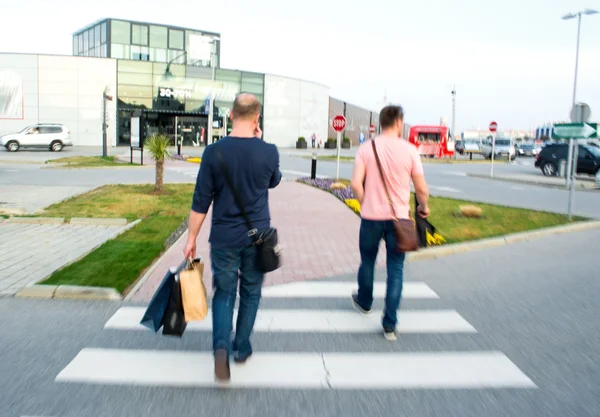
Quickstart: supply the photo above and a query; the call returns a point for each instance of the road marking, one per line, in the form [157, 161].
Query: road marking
[317, 321]
[441, 370]
[327, 289]
[443, 188]
[300, 173]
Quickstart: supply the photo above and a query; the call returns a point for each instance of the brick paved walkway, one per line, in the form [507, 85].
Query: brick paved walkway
[29, 253]
[318, 234]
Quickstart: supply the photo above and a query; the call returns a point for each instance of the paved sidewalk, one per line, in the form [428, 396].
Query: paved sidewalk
[29, 253]
[316, 244]
[30, 199]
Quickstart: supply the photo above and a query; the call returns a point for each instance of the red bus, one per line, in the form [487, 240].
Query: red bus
[432, 141]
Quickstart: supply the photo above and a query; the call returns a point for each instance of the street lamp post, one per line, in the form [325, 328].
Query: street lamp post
[211, 99]
[454, 118]
[571, 162]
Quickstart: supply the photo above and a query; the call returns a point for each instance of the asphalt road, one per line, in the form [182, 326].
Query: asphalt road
[445, 180]
[535, 303]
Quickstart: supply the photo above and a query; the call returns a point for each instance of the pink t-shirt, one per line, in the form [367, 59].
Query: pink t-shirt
[400, 161]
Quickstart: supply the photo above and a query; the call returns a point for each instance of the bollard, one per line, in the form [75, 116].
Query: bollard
[562, 168]
[313, 167]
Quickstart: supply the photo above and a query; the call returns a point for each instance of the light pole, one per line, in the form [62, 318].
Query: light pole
[212, 96]
[105, 97]
[454, 118]
[571, 158]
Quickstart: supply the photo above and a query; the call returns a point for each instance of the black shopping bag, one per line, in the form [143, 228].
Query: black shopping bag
[174, 323]
[153, 317]
[427, 233]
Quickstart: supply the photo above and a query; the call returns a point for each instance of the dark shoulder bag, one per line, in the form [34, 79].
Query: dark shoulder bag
[266, 242]
[407, 239]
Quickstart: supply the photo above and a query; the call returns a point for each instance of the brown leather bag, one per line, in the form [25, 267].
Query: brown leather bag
[407, 239]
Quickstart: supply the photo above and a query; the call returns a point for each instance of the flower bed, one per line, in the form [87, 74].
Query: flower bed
[344, 194]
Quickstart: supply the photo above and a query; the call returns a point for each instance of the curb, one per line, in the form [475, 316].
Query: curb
[69, 292]
[98, 221]
[36, 220]
[452, 249]
[578, 186]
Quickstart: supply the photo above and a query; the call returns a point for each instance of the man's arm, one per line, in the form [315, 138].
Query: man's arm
[276, 177]
[358, 178]
[203, 197]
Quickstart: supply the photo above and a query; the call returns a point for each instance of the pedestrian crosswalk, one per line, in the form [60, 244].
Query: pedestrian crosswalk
[290, 312]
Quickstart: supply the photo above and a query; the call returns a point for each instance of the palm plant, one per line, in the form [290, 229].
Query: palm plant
[158, 147]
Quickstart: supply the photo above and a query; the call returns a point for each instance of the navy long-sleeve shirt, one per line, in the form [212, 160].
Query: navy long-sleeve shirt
[254, 168]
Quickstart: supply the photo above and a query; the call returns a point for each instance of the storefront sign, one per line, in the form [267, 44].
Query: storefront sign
[135, 132]
[174, 93]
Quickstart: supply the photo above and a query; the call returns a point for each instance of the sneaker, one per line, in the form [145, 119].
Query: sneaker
[241, 359]
[358, 307]
[390, 334]
[222, 372]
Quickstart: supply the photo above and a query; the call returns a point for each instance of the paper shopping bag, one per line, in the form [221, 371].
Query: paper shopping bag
[193, 291]
[174, 323]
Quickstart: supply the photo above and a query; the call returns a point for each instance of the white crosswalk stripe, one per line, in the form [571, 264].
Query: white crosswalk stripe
[321, 370]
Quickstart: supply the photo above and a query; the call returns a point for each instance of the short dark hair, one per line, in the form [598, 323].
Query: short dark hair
[389, 115]
[245, 106]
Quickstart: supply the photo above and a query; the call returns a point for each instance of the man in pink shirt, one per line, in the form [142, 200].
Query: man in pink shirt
[401, 164]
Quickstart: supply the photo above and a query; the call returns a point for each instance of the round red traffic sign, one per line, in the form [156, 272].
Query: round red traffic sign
[493, 126]
[338, 123]
[372, 129]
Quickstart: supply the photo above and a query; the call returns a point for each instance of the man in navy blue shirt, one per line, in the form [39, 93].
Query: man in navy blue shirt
[254, 168]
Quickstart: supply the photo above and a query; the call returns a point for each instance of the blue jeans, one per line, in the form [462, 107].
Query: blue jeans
[229, 266]
[371, 233]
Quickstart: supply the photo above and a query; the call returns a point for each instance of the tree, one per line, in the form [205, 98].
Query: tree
[158, 147]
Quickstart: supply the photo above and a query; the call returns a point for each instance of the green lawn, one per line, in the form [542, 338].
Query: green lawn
[88, 162]
[119, 262]
[495, 221]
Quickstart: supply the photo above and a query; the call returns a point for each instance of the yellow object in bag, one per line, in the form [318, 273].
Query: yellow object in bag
[193, 291]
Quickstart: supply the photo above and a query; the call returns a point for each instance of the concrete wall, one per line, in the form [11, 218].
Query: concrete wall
[357, 119]
[61, 89]
[294, 108]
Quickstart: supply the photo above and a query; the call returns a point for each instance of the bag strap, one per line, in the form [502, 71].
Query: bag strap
[236, 196]
[389, 197]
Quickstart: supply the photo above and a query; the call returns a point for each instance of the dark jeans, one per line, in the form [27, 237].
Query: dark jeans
[229, 266]
[371, 233]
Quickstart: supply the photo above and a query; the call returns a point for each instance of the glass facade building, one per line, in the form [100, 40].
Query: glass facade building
[169, 73]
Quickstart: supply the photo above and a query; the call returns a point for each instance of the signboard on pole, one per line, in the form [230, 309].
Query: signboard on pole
[575, 131]
[372, 129]
[339, 124]
[493, 129]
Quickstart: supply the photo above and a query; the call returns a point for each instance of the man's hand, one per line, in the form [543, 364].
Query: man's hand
[423, 211]
[258, 132]
[190, 250]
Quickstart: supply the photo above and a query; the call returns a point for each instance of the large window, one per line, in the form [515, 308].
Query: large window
[139, 35]
[97, 35]
[176, 39]
[120, 32]
[103, 33]
[159, 37]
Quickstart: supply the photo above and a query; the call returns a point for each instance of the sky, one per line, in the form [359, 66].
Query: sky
[512, 61]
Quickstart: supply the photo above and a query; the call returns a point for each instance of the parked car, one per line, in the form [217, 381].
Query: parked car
[548, 160]
[53, 136]
[525, 150]
[503, 147]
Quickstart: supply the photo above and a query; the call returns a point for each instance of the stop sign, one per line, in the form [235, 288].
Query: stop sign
[493, 126]
[338, 123]
[372, 128]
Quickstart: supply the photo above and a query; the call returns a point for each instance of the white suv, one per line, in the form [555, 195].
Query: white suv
[53, 136]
